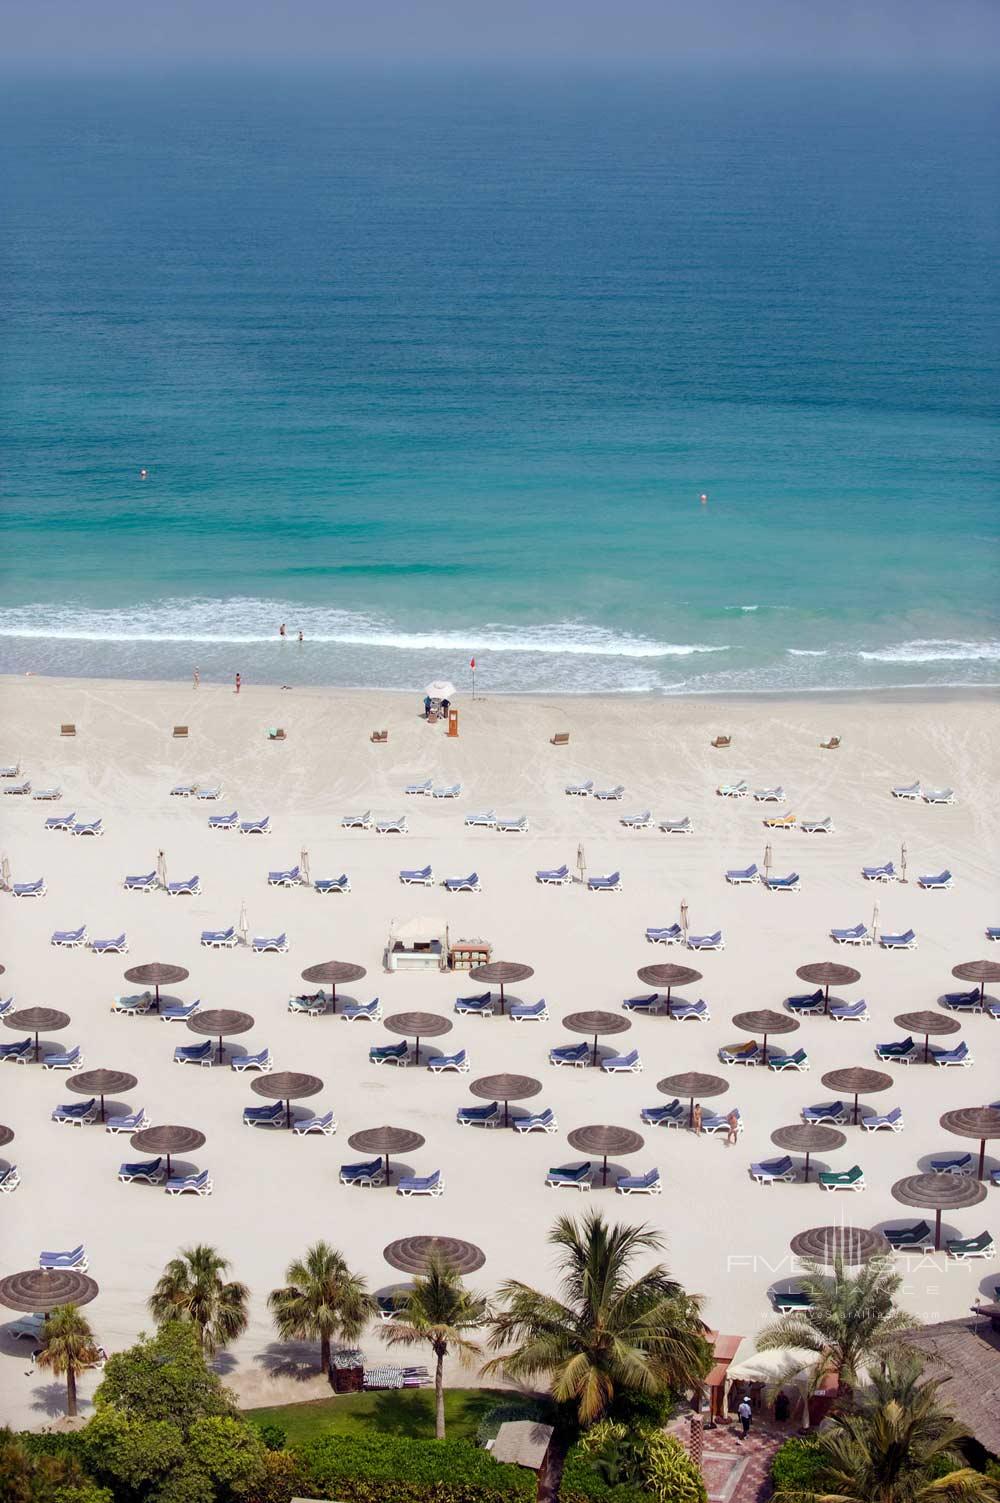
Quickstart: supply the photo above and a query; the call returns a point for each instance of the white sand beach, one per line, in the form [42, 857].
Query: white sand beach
[274, 1194]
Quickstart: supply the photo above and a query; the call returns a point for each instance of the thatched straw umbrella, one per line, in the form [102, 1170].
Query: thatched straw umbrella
[598, 1025]
[667, 976]
[937, 1193]
[505, 1088]
[168, 1140]
[502, 973]
[412, 1254]
[386, 1140]
[286, 1086]
[603, 1140]
[807, 1138]
[827, 973]
[40, 1289]
[333, 973]
[418, 1025]
[980, 971]
[980, 1122]
[853, 1244]
[855, 1080]
[930, 1024]
[101, 1083]
[156, 974]
[37, 1020]
[219, 1023]
[691, 1084]
[765, 1021]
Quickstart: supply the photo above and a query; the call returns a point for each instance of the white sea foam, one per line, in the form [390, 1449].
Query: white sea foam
[933, 650]
[806, 652]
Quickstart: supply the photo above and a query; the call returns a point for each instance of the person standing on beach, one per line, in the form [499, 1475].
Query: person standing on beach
[733, 1120]
[197, 678]
[238, 682]
[696, 1118]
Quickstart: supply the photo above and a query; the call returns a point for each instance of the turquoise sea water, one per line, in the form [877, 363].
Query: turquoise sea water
[440, 365]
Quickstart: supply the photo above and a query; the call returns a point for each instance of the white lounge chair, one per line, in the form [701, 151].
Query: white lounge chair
[733, 790]
[622, 1064]
[939, 795]
[817, 826]
[462, 884]
[611, 883]
[260, 826]
[393, 825]
[422, 876]
[857, 934]
[419, 788]
[671, 934]
[70, 939]
[189, 887]
[190, 1184]
[517, 826]
[638, 821]
[905, 941]
[325, 1125]
[676, 826]
[36, 889]
[427, 1184]
[610, 795]
[714, 941]
[267, 944]
[769, 795]
[332, 884]
[220, 939]
[557, 876]
[744, 875]
[357, 821]
[907, 790]
[88, 827]
[640, 1184]
[484, 821]
[580, 790]
[940, 882]
[452, 791]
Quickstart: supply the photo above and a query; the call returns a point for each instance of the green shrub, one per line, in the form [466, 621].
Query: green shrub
[796, 1466]
[392, 1469]
[274, 1436]
[583, 1483]
[500, 1414]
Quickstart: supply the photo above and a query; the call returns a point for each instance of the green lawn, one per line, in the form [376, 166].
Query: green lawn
[404, 1411]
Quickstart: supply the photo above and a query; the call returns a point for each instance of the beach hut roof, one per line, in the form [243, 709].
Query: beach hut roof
[523, 1442]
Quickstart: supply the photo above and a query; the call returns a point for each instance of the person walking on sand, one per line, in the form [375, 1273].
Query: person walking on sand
[238, 682]
[733, 1121]
[197, 678]
[696, 1117]
[746, 1414]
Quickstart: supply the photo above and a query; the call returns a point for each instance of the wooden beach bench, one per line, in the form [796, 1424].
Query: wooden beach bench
[379, 736]
[722, 741]
[68, 729]
[180, 732]
[561, 738]
[276, 733]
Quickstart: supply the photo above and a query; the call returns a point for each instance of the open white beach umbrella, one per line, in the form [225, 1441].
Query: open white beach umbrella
[161, 868]
[304, 867]
[243, 927]
[440, 688]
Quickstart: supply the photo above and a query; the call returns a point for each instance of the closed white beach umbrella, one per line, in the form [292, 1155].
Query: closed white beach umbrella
[902, 862]
[767, 859]
[581, 862]
[243, 927]
[875, 923]
[5, 871]
[684, 915]
[161, 868]
[304, 867]
[441, 688]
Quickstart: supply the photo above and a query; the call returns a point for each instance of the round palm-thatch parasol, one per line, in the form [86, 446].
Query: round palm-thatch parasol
[765, 1021]
[168, 1140]
[386, 1140]
[505, 1088]
[853, 1244]
[502, 973]
[39, 1289]
[666, 977]
[930, 1024]
[418, 1025]
[6, 1136]
[101, 1083]
[333, 973]
[807, 1138]
[603, 1140]
[597, 1024]
[827, 973]
[854, 1080]
[219, 1023]
[411, 1254]
[37, 1020]
[692, 1084]
[156, 974]
[937, 1193]
[980, 1122]
[286, 1086]
[980, 971]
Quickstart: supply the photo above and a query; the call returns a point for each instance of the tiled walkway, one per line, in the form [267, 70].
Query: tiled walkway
[737, 1470]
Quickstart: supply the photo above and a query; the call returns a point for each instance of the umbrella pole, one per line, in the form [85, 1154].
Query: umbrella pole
[102, 1107]
[604, 1172]
[826, 998]
[691, 1112]
[594, 1059]
[37, 1050]
[668, 1001]
[388, 1176]
[288, 1113]
[806, 1175]
[501, 999]
[765, 1051]
[982, 1156]
[927, 1048]
[418, 1048]
[506, 1119]
[856, 1108]
[937, 1230]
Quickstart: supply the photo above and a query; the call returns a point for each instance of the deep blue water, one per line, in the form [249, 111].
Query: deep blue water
[431, 365]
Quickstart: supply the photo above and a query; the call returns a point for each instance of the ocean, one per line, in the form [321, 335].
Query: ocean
[433, 366]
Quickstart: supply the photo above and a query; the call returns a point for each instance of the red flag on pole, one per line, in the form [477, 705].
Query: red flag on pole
[472, 665]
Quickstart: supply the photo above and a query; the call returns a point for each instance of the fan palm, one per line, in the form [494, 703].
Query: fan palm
[322, 1299]
[609, 1334]
[853, 1321]
[69, 1345]
[440, 1311]
[192, 1287]
[896, 1446]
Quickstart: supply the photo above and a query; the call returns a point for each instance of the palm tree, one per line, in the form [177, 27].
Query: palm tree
[439, 1311]
[321, 1299]
[191, 1287]
[69, 1345]
[853, 1321]
[609, 1334]
[896, 1446]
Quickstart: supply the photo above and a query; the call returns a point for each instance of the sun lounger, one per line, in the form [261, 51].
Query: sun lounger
[9, 1181]
[847, 1179]
[60, 821]
[963, 1001]
[806, 1002]
[194, 1054]
[786, 1301]
[485, 821]
[939, 796]
[220, 939]
[6, 1003]
[622, 1064]
[260, 1061]
[825, 1111]
[184, 790]
[19, 1054]
[427, 1184]
[774, 1171]
[68, 729]
[419, 788]
[857, 934]
[87, 827]
[269, 944]
[36, 889]
[905, 941]
[312, 1007]
[768, 795]
[875, 1122]
[611, 883]
[63, 1059]
[676, 826]
[76, 1113]
[256, 826]
[140, 1002]
[670, 1115]
[452, 791]
[395, 825]
[799, 1060]
[907, 790]
[528, 1012]
[190, 1184]
[611, 795]
[129, 1123]
[188, 887]
[561, 738]
[144, 883]
[357, 821]
[741, 1054]
[75, 1259]
[518, 826]
[971, 1247]
[70, 939]
[954, 1163]
[637, 821]
[940, 882]
[290, 878]
[672, 934]
[264, 1116]
[817, 826]
[20, 790]
[577, 1055]
[885, 873]
[459, 1062]
[580, 790]
[367, 1174]
[325, 1125]
[178, 1012]
[11, 770]
[557, 876]
[721, 741]
[419, 877]
[224, 821]
[780, 822]
[733, 790]
[960, 1056]
[917, 1236]
[209, 794]
[463, 884]
[116, 946]
[276, 733]
[713, 941]
[543, 1121]
[850, 1012]
[640, 1184]
[575, 1177]
[390, 1054]
[993, 932]
[379, 737]
[480, 1005]
[691, 1012]
[353, 1012]
[745, 875]
[479, 1116]
[716, 1122]
[649, 1002]
[332, 884]
[899, 1051]
[146, 1171]
[180, 732]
